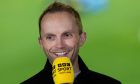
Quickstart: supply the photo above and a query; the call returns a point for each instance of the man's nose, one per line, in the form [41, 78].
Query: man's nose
[60, 43]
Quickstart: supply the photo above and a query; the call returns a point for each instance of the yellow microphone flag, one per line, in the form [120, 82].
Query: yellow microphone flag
[62, 71]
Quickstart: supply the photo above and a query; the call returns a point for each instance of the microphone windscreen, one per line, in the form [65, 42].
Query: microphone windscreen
[62, 71]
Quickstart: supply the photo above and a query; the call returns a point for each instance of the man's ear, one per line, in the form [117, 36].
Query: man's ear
[40, 41]
[82, 38]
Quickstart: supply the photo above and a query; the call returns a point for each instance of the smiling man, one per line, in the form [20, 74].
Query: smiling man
[61, 34]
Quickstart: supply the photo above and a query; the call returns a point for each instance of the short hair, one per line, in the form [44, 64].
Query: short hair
[60, 7]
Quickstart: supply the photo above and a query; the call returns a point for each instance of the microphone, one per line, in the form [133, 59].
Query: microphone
[62, 71]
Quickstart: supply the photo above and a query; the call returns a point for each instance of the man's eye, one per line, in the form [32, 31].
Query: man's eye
[50, 38]
[67, 35]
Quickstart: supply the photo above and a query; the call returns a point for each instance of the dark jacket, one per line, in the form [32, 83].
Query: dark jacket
[85, 77]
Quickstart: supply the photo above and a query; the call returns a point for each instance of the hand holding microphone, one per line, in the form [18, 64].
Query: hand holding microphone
[62, 71]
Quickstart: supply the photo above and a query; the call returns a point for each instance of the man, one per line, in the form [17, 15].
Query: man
[61, 34]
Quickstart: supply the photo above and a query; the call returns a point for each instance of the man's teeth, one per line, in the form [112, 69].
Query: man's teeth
[61, 53]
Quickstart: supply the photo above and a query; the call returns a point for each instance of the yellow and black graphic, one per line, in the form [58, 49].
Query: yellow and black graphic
[62, 71]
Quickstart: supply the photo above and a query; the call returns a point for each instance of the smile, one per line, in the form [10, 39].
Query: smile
[60, 53]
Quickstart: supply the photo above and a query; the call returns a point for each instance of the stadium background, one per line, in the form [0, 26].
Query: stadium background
[112, 47]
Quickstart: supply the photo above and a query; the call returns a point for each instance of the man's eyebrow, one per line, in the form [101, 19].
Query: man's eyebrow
[68, 31]
[48, 34]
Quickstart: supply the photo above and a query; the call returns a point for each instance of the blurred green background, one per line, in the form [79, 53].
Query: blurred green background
[112, 47]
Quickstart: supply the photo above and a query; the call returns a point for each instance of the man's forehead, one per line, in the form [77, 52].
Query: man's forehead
[57, 20]
[57, 15]
[59, 32]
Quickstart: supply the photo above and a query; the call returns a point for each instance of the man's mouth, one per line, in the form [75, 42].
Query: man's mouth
[61, 53]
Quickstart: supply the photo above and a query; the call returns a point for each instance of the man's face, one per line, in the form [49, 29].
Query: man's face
[60, 36]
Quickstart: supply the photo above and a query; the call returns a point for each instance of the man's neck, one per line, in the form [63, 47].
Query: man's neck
[76, 66]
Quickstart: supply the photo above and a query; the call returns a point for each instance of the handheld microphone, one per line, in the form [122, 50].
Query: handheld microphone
[62, 71]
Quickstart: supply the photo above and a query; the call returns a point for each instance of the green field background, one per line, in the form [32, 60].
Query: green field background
[112, 47]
